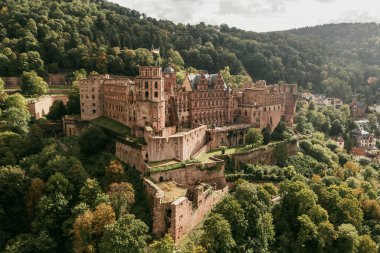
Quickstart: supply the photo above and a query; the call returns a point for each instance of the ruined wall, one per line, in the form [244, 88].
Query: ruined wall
[181, 145]
[41, 106]
[158, 209]
[185, 216]
[133, 156]
[12, 82]
[194, 174]
[56, 79]
[262, 155]
[91, 97]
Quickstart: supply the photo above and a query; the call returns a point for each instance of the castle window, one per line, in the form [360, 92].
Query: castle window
[146, 94]
[146, 85]
[93, 111]
[93, 96]
[155, 85]
[82, 110]
[156, 94]
[93, 104]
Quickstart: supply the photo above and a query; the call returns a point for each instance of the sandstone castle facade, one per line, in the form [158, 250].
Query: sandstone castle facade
[171, 123]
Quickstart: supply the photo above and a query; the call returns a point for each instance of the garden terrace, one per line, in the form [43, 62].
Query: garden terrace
[172, 191]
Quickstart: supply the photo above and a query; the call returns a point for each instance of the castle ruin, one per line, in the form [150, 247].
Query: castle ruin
[176, 122]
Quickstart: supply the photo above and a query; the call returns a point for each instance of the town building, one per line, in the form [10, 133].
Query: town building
[358, 108]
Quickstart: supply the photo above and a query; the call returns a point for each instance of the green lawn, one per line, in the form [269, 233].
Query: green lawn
[161, 163]
[112, 125]
[206, 157]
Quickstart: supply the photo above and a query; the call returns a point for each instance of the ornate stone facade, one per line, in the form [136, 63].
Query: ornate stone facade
[177, 120]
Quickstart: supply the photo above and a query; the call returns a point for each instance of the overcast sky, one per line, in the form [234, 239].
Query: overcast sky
[259, 15]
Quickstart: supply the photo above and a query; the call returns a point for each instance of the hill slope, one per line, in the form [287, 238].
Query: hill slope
[51, 36]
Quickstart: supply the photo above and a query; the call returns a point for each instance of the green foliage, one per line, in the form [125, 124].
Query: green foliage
[218, 236]
[319, 152]
[34, 41]
[232, 211]
[175, 58]
[281, 132]
[223, 149]
[90, 192]
[164, 245]
[266, 136]
[32, 84]
[264, 173]
[15, 116]
[128, 235]
[280, 154]
[13, 187]
[90, 145]
[3, 94]
[122, 197]
[12, 148]
[234, 81]
[254, 137]
[57, 110]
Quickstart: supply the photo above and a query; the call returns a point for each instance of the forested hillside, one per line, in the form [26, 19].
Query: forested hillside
[56, 36]
[356, 41]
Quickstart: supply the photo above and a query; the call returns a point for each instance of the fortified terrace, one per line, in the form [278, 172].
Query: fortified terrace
[170, 124]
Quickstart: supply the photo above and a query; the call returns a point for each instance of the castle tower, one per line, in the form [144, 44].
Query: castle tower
[170, 80]
[91, 97]
[150, 98]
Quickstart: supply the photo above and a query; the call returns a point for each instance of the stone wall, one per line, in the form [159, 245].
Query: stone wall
[73, 125]
[159, 210]
[131, 155]
[194, 174]
[57, 80]
[12, 82]
[184, 217]
[41, 106]
[181, 145]
[262, 155]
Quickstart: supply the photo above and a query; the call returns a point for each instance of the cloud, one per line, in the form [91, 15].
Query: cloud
[258, 15]
[353, 16]
[252, 8]
[325, 1]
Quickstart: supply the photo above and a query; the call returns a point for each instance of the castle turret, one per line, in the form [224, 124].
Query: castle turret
[170, 80]
[151, 100]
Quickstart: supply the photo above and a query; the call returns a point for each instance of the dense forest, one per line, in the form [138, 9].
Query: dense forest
[67, 35]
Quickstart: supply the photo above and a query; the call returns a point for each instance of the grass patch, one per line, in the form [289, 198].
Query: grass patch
[206, 156]
[171, 191]
[161, 163]
[170, 165]
[174, 166]
[112, 125]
